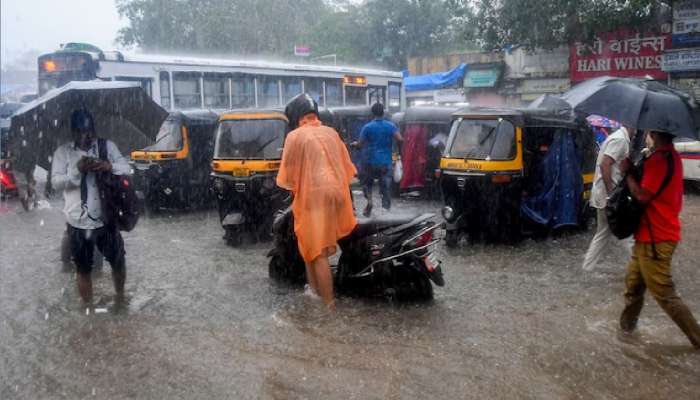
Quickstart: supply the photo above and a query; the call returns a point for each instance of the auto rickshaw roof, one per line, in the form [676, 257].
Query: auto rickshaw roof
[429, 114]
[253, 113]
[527, 117]
[351, 111]
[195, 117]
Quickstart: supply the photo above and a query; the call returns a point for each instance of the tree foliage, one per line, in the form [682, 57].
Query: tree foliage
[380, 32]
[547, 24]
[374, 32]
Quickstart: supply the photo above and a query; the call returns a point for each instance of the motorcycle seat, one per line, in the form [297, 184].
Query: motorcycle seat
[370, 226]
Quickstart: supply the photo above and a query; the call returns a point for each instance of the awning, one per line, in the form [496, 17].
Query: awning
[440, 80]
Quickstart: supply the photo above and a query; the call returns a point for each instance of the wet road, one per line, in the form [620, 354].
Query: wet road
[204, 321]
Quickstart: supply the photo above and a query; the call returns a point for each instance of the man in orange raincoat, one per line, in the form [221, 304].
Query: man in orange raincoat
[317, 169]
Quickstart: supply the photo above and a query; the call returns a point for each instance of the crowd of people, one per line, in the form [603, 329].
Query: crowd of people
[316, 168]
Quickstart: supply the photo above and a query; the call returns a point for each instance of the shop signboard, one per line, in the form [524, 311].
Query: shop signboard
[481, 78]
[682, 60]
[449, 95]
[542, 86]
[620, 53]
[686, 23]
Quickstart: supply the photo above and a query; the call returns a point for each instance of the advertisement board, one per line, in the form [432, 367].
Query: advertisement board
[682, 60]
[686, 23]
[620, 53]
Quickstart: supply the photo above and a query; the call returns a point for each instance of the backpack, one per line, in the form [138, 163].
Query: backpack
[624, 212]
[118, 197]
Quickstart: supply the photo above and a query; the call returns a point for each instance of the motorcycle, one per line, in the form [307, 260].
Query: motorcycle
[389, 256]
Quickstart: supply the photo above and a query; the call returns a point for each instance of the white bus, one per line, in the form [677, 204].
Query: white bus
[179, 83]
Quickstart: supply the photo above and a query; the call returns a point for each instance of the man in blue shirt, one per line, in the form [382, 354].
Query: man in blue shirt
[377, 137]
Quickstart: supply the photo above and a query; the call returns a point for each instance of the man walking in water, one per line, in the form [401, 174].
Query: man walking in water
[75, 169]
[377, 138]
[317, 169]
[613, 151]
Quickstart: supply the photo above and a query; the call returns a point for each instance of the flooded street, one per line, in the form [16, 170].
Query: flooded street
[204, 321]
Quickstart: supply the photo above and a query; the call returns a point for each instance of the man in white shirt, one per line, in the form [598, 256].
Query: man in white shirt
[612, 152]
[75, 169]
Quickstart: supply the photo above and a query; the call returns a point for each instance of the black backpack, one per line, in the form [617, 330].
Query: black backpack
[118, 197]
[624, 212]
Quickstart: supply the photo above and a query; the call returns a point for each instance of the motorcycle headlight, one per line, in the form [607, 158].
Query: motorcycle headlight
[448, 213]
[219, 185]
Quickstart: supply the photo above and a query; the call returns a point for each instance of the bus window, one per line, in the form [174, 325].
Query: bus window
[268, 91]
[314, 87]
[243, 95]
[146, 83]
[290, 88]
[57, 69]
[165, 90]
[394, 96]
[355, 96]
[377, 94]
[216, 91]
[187, 90]
[334, 95]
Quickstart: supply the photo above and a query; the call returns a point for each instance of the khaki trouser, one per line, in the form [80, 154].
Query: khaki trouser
[603, 237]
[644, 271]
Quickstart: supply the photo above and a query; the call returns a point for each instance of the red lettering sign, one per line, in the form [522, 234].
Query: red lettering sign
[620, 53]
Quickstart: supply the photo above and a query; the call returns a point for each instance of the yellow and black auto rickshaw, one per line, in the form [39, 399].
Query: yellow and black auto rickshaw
[246, 160]
[425, 130]
[174, 172]
[505, 172]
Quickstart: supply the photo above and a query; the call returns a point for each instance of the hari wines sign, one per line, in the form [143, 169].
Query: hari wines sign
[621, 53]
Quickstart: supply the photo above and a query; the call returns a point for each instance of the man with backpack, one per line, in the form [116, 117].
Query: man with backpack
[660, 192]
[78, 170]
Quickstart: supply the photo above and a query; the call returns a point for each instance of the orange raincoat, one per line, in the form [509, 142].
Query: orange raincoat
[317, 169]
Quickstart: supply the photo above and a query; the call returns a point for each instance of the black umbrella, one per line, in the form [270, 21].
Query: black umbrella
[122, 111]
[639, 103]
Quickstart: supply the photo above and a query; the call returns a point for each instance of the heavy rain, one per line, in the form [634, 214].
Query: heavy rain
[363, 199]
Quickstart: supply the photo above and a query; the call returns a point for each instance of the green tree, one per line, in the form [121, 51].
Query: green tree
[549, 23]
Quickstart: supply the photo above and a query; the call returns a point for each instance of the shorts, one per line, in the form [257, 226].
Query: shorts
[82, 246]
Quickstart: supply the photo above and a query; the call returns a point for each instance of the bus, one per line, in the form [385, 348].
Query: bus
[185, 83]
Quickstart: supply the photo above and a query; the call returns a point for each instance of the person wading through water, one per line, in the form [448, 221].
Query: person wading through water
[75, 169]
[660, 190]
[317, 169]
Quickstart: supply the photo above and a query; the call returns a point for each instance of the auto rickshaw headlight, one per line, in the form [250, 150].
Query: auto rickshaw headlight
[448, 213]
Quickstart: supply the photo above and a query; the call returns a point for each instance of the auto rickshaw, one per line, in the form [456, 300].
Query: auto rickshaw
[247, 157]
[506, 172]
[174, 172]
[425, 130]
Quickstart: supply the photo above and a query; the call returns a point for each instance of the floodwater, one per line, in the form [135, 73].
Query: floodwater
[204, 321]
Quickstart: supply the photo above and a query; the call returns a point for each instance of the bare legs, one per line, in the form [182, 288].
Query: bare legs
[320, 279]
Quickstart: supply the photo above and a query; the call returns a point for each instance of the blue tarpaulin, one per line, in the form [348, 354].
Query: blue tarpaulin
[440, 80]
[558, 199]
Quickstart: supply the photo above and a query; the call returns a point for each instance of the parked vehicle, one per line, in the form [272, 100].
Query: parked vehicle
[425, 130]
[690, 156]
[387, 256]
[348, 121]
[505, 170]
[247, 157]
[174, 172]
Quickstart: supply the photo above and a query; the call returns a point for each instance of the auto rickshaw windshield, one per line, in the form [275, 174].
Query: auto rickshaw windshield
[482, 139]
[169, 137]
[250, 139]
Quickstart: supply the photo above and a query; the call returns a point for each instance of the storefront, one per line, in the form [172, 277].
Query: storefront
[683, 65]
